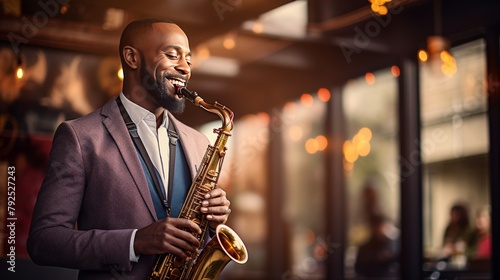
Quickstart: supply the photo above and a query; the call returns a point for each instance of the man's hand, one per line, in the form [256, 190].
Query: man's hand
[216, 207]
[167, 236]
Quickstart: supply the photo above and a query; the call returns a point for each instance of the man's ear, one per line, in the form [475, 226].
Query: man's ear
[131, 57]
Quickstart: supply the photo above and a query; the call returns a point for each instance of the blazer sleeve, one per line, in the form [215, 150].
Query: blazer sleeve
[54, 238]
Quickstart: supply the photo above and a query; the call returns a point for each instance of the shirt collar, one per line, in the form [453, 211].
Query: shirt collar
[138, 113]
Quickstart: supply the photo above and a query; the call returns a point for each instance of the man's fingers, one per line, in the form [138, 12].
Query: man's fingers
[190, 244]
[171, 235]
[215, 193]
[216, 201]
[186, 224]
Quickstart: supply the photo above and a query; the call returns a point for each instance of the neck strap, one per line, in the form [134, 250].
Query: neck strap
[173, 136]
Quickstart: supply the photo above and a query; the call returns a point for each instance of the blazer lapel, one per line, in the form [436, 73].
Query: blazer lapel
[113, 121]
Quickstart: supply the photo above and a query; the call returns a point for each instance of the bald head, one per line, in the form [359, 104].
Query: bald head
[135, 30]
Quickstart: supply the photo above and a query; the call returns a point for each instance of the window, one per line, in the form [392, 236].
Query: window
[454, 137]
[372, 172]
[304, 181]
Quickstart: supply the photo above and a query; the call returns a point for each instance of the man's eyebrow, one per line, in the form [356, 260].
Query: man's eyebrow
[177, 48]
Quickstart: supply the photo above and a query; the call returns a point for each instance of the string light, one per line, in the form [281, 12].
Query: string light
[307, 100]
[395, 71]
[359, 146]
[324, 95]
[423, 56]
[370, 78]
[314, 145]
[449, 66]
[350, 152]
[322, 142]
[379, 6]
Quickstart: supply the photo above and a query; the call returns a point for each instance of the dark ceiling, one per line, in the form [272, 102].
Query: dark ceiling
[273, 69]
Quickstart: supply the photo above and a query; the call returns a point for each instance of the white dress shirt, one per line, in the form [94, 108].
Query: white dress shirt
[156, 143]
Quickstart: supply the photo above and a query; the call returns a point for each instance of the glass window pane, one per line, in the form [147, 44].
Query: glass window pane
[372, 174]
[304, 172]
[455, 155]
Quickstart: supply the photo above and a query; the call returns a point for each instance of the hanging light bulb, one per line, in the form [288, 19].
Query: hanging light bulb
[439, 58]
[19, 72]
[19, 69]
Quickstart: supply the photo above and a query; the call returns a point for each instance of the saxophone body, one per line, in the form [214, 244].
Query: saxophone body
[226, 244]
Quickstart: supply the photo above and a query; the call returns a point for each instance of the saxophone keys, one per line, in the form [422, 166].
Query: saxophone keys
[176, 274]
[177, 263]
[207, 187]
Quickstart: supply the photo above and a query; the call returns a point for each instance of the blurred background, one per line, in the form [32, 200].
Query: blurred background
[366, 139]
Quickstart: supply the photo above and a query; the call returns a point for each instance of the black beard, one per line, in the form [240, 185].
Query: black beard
[159, 91]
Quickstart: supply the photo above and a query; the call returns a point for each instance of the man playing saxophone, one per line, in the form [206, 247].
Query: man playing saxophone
[117, 178]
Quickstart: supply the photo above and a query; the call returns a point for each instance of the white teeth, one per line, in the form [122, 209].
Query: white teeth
[177, 82]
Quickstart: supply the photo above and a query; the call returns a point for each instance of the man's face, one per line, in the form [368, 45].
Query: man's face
[165, 64]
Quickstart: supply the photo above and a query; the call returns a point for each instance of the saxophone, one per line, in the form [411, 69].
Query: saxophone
[226, 244]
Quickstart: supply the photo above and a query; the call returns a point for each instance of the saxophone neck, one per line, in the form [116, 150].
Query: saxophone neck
[224, 113]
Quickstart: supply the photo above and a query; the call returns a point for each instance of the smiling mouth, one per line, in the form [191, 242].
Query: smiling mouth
[177, 84]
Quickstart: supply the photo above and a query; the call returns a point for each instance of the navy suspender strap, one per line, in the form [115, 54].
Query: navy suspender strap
[132, 129]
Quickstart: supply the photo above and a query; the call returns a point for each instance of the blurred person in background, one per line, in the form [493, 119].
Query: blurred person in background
[378, 256]
[479, 242]
[456, 232]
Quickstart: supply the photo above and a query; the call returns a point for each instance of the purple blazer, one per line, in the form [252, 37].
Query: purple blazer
[95, 194]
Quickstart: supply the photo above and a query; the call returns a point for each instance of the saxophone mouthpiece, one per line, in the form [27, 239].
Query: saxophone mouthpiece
[178, 90]
[184, 92]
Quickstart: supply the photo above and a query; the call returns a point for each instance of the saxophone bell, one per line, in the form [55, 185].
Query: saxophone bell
[225, 247]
